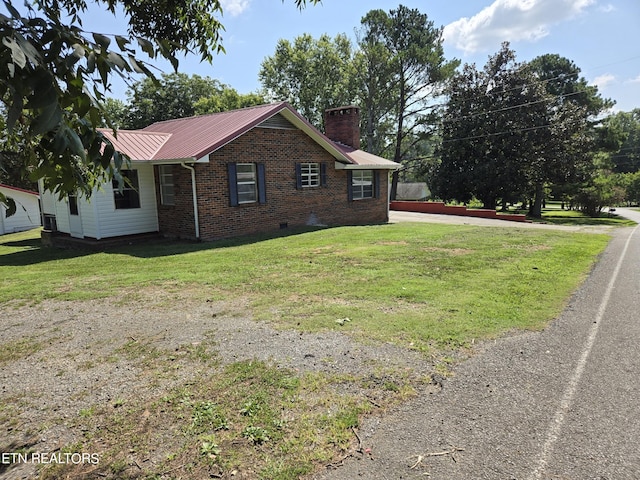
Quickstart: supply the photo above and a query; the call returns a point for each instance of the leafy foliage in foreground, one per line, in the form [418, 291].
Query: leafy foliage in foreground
[54, 76]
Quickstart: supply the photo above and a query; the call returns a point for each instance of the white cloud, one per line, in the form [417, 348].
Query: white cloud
[608, 8]
[603, 81]
[634, 80]
[511, 20]
[234, 7]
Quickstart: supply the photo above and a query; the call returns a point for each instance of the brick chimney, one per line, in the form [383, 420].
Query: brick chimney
[342, 125]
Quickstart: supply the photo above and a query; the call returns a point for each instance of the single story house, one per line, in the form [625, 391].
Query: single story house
[27, 214]
[234, 173]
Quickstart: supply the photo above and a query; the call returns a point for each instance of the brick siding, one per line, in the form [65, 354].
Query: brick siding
[343, 125]
[279, 150]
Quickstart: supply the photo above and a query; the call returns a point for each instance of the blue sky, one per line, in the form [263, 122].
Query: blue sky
[601, 36]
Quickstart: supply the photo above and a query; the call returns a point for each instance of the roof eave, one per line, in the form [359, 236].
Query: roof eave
[353, 166]
[172, 161]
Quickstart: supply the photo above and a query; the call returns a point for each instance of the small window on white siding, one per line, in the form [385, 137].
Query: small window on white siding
[167, 197]
[126, 195]
[73, 205]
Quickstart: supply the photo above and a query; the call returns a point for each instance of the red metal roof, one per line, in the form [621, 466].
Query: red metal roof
[193, 138]
[137, 144]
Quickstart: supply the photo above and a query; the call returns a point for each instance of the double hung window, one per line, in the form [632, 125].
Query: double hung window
[167, 195]
[246, 183]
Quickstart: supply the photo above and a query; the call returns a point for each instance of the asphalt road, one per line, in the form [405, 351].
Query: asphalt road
[560, 404]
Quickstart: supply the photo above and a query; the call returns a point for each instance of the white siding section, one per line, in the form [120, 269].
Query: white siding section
[52, 206]
[99, 216]
[47, 200]
[62, 216]
[27, 214]
[103, 220]
[88, 216]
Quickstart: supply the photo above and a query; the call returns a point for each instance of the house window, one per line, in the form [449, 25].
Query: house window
[127, 194]
[362, 184]
[167, 197]
[246, 183]
[73, 205]
[309, 175]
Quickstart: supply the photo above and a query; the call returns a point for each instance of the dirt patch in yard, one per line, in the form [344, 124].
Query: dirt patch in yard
[71, 371]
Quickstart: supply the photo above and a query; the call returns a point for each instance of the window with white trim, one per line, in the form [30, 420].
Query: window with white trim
[167, 195]
[362, 184]
[309, 175]
[247, 182]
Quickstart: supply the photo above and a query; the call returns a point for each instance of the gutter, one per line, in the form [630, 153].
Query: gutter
[195, 198]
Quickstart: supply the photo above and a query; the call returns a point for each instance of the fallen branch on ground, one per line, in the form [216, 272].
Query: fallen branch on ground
[446, 452]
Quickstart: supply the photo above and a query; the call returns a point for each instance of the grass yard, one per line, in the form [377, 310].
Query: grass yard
[415, 285]
[426, 287]
[556, 215]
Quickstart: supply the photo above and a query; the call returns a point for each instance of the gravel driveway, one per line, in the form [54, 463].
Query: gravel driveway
[67, 359]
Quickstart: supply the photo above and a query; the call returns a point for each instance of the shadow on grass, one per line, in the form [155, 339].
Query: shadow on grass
[32, 252]
[28, 243]
[573, 217]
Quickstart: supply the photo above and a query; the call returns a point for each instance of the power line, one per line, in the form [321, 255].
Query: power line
[512, 107]
[496, 134]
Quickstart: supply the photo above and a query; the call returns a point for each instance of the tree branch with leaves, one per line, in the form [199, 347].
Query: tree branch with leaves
[54, 76]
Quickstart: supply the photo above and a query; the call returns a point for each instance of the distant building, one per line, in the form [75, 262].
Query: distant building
[27, 214]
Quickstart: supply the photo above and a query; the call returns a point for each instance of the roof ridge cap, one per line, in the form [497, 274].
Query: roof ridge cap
[212, 114]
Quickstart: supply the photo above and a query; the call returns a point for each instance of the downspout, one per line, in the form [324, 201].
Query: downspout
[195, 198]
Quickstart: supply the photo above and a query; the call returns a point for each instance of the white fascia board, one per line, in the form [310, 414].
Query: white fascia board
[352, 166]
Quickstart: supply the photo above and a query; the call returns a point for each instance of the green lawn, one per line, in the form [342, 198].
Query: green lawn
[559, 216]
[423, 286]
[411, 284]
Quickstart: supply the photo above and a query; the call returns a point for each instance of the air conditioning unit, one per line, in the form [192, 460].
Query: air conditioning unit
[49, 222]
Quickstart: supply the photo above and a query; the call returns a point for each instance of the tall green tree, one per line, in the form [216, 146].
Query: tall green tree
[54, 75]
[515, 128]
[227, 99]
[561, 79]
[377, 93]
[178, 95]
[415, 76]
[626, 158]
[172, 96]
[116, 111]
[633, 188]
[311, 74]
[13, 170]
[493, 130]
[572, 113]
